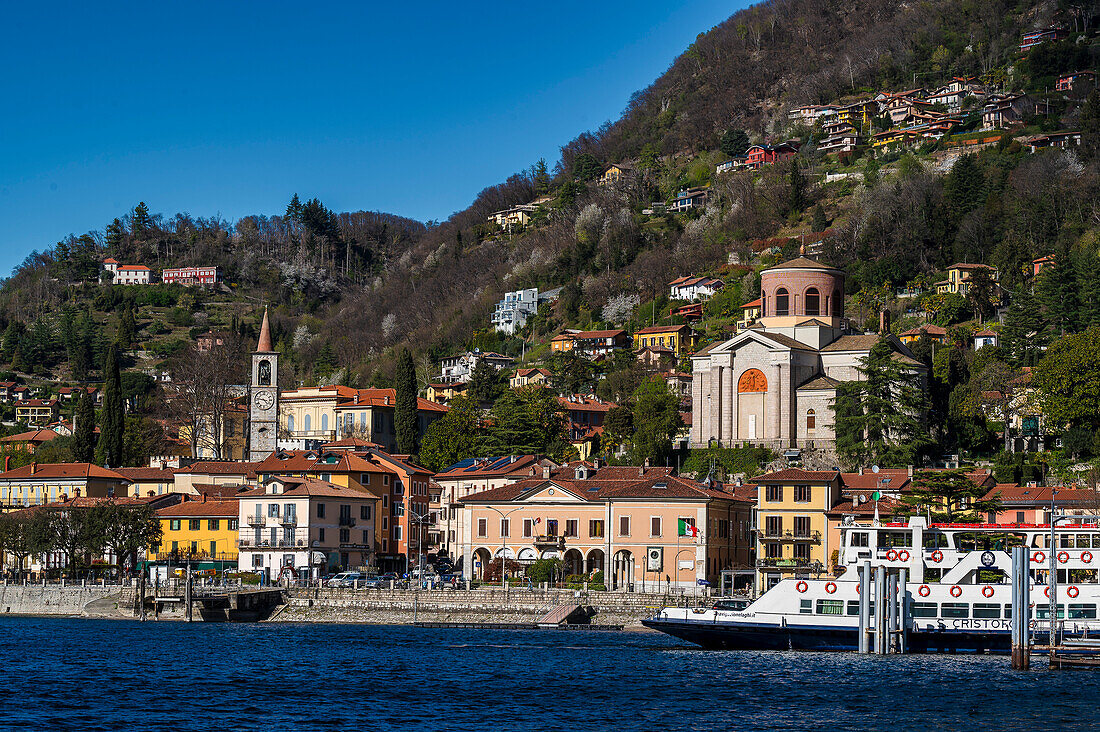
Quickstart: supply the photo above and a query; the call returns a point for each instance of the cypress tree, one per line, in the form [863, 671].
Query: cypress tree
[113, 426]
[84, 436]
[404, 416]
[127, 326]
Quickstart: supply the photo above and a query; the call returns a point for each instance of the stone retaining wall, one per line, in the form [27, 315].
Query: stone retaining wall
[51, 599]
[459, 606]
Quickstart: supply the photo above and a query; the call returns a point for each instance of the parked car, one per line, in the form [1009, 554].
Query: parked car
[388, 577]
[371, 582]
[346, 579]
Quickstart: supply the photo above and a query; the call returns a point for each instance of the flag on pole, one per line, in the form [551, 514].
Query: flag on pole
[687, 529]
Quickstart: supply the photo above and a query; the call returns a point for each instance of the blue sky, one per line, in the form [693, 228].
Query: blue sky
[229, 108]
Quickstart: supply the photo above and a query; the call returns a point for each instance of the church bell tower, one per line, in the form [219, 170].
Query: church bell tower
[263, 401]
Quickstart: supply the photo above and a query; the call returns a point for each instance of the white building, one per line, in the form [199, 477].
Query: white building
[511, 312]
[126, 274]
[460, 367]
[291, 526]
[694, 288]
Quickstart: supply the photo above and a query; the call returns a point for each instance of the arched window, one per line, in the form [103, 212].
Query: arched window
[813, 302]
[324, 423]
[838, 304]
[290, 423]
[782, 302]
[308, 424]
[763, 304]
[264, 373]
[811, 420]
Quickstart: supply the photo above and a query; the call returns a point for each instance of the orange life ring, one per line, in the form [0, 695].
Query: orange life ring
[1063, 557]
[830, 587]
[937, 556]
[1047, 591]
[903, 555]
[987, 591]
[1038, 557]
[956, 590]
[802, 586]
[924, 591]
[1073, 591]
[1086, 557]
[891, 556]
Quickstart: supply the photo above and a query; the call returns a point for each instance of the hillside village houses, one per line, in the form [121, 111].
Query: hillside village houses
[461, 367]
[694, 288]
[511, 313]
[590, 343]
[126, 274]
[959, 276]
[191, 275]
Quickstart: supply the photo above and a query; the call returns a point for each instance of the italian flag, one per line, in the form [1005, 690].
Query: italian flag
[687, 529]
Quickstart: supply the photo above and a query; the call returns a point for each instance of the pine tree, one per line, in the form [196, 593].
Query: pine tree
[113, 238]
[542, 178]
[13, 335]
[486, 383]
[884, 409]
[734, 143]
[820, 223]
[1022, 335]
[797, 182]
[964, 186]
[405, 414]
[83, 445]
[1057, 293]
[140, 222]
[112, 429]
[294, 209]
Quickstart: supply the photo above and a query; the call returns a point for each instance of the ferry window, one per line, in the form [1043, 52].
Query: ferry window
[987, 610]
[1082, 612]
[955, 610]
[1084, 541]
[935, 541]
[853, 607]
[1042, 612]
[830, 607]
[858, 538]
[774, 493]
[923, 609]
[806, 607]
[1065, 541]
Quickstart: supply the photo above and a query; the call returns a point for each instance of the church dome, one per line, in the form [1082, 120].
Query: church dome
[802, 288]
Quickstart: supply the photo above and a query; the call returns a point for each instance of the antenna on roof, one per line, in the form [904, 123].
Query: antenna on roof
[874, 468]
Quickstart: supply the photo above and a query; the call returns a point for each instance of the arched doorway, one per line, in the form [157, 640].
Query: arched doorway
[751, 388]
[595, 561]
[623, 570]
[573, 562]
[481, 563]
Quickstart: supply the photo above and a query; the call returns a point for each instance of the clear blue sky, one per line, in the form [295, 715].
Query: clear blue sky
[229, 108]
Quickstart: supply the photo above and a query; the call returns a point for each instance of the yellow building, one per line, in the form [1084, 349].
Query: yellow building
[199, 529]
[959, 276]
[680, 339]
[615, 173]
[37, 412]
[40, 483]
[792, 528]
[445, 393]
[529, 377]
[149, 481]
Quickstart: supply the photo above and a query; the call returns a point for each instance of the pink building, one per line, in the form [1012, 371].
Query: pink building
[190, 275]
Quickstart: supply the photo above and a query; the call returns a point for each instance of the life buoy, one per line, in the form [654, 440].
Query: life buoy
[903, 555]
[1063, 557]
[1073, 591]
[830, 587]
[1046, 591]
[1086, 557]
[892, 556]
[956, 590]
[987, 591]
[924, 591]
[937, 556]
[1038, 557]
[802, 586]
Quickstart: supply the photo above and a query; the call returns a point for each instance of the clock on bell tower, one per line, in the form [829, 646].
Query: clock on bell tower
[263, 392]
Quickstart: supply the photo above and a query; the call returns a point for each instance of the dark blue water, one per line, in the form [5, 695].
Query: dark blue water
[111, 675]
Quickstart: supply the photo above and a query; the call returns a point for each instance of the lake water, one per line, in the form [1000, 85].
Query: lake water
[110, 675]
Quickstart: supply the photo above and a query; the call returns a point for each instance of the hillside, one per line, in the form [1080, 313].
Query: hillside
[351, 290]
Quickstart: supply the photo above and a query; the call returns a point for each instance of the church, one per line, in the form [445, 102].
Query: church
[774, 383]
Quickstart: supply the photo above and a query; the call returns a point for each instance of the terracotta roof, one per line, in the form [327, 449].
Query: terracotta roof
[964, 265]
[611, 483]
[317, 461]
[31, 436]
[796, 474]
[147, 474]
[264, 343]
[751, 304]
[578, 403]
[662, 329]
[309, 487]
[226, 508]
[591, 334]
[887, 506]
[929, 328]
[532, 372]
[132, 268]
[218, 467]
[353, 442]
[37, 403]
[985, 333]
[212, 490]
[854, 482]
[62, 470]
[349, 398]
[784, 340]
[802, 263]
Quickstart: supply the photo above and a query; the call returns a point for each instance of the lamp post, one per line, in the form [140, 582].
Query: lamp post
[420, 518]
[504, 545]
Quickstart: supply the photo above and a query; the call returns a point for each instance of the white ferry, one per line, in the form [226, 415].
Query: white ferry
[958, 597]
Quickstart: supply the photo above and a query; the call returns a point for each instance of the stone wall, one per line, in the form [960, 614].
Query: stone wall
[51, 599]
[461, 606]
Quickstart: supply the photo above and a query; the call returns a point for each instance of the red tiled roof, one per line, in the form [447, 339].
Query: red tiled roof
[662, 329]
[147, 474]
[578, 403]
[37, 436]
[869, 481]
[751, 304]
[611, 483]
[227, 508]
[218, 467]
[794, 474]
[62, 470]
[309, 487]
[316, 461]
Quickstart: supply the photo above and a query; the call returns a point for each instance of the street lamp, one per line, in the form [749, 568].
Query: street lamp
[504, 544]
[420, 518]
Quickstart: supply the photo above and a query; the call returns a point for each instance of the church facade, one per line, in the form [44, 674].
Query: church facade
[774, 383]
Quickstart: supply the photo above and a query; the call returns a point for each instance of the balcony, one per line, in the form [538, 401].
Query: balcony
[289, 519]
[256, 520]
[279, 542]
[347, 521]
[550, 540]
[789, 565]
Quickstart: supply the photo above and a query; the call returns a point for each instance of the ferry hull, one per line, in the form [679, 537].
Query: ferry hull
[760, 637]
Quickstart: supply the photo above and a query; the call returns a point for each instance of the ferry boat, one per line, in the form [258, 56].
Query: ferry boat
[958, 597]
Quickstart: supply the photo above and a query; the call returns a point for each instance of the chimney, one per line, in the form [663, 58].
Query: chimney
[546, 472]
[34, 468]
[64, 497]
[861, 470]
[909, 470]
[203, 500]
[76, 493]
[152, 493]
[7, 463]
[884, 321]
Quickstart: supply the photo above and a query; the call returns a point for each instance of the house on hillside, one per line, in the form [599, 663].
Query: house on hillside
[1060, 140]
[461, 367]
[126, 274]
[838, 137]
[617, 173]
[512, 312]
[738, 163]
[590, 343]
[750, 311]
[985, 338]
[688, 199]
[959, 276]
[927, 330]
[529, 377]
[37, 412]
[758, 156]
[1081, 82]
[1001, 112]
[1038, 265]
[680, 339]
[205, 276]
[1033, 38]
[445, 393]
[694, 288]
